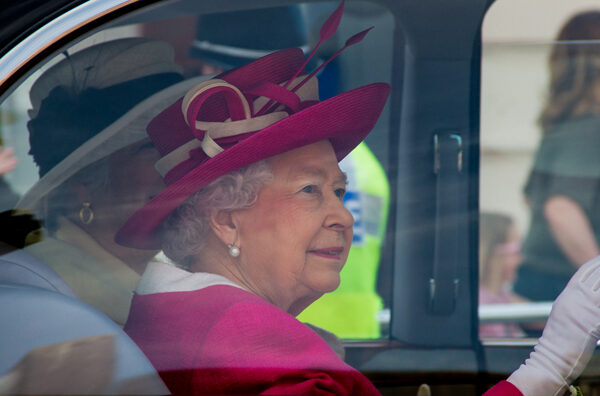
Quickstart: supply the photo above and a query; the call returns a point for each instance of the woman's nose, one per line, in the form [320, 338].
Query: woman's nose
[340, 217]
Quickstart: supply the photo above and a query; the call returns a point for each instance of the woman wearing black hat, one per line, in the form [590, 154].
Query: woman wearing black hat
[91, 109]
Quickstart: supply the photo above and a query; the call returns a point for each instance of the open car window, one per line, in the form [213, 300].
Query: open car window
[537, 179]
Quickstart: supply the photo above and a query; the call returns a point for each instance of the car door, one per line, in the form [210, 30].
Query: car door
[440, 143]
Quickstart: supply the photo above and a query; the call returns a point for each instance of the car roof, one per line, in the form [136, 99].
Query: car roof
[19, 18]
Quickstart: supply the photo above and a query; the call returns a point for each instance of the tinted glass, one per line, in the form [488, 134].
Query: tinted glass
[538, 186]
[76, 129]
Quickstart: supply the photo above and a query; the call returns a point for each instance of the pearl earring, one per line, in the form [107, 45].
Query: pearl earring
[234, 251]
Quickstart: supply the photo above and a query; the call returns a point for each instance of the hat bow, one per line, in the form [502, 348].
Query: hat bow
[242, 115]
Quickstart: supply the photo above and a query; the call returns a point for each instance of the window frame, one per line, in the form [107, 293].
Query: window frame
[426, 59]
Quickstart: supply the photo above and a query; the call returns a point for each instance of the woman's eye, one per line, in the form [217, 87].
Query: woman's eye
[309, 189]
[340, 192]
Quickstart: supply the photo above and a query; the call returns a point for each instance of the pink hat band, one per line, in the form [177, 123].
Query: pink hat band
[209, 137]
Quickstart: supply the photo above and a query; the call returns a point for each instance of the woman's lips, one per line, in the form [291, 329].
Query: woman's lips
[330, 252]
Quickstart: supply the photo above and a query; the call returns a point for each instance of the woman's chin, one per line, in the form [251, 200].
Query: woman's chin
[329, 284]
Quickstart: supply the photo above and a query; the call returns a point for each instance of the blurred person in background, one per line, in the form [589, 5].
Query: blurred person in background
[14, 226]
[499, 259]
[563, 189]
[8, 162]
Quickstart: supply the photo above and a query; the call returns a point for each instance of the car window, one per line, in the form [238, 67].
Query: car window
[80, 174]
[447, 194]
[537, 176]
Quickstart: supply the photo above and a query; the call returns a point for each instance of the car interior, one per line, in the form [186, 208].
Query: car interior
[457, 139]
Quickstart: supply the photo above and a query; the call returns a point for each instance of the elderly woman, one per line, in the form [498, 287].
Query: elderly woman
[253, 216]
[258, 222]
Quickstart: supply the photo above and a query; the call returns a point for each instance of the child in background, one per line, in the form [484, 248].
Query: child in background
[499, 259]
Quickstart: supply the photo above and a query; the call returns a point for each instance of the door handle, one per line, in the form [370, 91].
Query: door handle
[447, 167]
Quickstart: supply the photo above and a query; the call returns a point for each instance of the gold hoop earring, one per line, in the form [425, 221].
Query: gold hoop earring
[86, 214]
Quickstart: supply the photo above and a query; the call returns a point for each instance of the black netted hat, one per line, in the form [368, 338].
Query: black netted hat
[84, 93]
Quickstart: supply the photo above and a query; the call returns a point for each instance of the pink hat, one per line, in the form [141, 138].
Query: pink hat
[243, 116]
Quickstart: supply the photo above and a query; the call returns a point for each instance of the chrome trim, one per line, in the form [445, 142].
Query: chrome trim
[519, 312]
[509, 342]
[53, 31]
[236, 52]
[512, 342]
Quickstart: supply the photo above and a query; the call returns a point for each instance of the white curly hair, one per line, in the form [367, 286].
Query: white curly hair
[184, 231]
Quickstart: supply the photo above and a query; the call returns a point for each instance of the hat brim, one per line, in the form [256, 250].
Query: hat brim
[345, 120]
[128, 129]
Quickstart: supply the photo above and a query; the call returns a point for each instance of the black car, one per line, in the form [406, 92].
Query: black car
[456, 142]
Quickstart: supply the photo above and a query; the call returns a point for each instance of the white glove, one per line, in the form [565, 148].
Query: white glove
[569, 338]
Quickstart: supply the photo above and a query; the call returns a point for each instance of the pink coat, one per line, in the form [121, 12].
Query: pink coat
[503, 388]
[224, 340]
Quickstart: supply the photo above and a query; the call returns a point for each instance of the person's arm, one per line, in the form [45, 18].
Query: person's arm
[571, 229]
[568, 340]
[8, 161]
